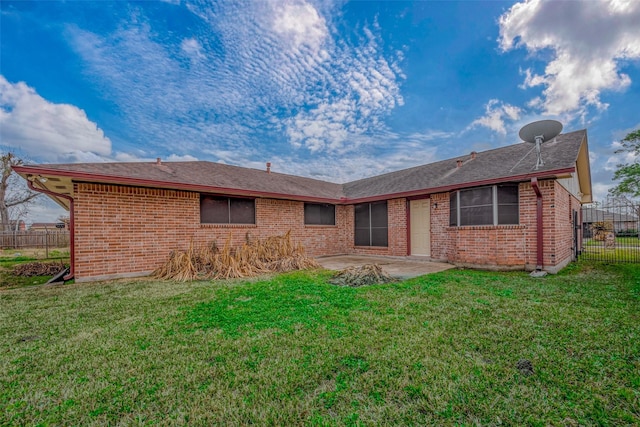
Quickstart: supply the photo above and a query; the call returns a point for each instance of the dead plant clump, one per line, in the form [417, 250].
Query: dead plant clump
[31, 269]
[273, 254]
[368, 274]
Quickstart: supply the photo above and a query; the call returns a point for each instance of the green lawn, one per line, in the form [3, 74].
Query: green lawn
[442, 349]
[617, 254]
[623, 241]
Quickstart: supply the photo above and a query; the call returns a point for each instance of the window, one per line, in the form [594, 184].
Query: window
[371, 224]
[319, 214]
[508, 212]
[227, 210]
[494, 205]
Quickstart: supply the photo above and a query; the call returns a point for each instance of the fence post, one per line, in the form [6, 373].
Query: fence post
[46, 242]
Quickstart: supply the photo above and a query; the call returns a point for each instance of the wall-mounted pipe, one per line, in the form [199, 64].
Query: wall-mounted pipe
[71, 225]
[539, 231]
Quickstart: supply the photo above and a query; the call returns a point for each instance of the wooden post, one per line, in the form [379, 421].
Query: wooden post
[46, 241]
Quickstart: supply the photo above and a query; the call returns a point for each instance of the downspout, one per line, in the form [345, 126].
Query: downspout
[408, 220]
[72, 243]
[539, 231]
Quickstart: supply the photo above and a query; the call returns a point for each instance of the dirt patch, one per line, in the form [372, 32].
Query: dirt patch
[525, 367]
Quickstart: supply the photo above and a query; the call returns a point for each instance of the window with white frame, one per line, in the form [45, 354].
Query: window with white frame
[491, 205]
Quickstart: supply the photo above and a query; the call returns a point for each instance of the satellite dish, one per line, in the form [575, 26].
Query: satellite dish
[540, 132]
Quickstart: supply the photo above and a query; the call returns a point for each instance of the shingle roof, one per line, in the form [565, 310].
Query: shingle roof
[209, 174]
[500, 164]
[504, 162]
[590, 214]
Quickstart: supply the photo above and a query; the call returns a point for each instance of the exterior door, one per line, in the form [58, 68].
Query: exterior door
[420, 217]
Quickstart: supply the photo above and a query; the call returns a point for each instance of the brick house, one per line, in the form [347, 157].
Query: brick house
[490, 209]
[16, 225]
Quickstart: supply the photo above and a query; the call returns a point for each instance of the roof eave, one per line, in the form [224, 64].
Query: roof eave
[583, 169]
[24, 171]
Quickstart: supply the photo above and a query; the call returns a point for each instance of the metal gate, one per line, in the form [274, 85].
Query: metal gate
[611, 231]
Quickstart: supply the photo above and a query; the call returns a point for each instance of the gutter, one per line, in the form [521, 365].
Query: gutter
[72, 242]
[539, 231]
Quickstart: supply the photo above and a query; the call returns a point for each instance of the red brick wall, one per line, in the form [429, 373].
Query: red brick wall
[121, 231]
[557, 203]
[441, 247]
[564, 205]
[508, 245]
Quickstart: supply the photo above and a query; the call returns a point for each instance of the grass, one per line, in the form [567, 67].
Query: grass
[617, 254]
[626, 241]
[441, 349]
[11, 257]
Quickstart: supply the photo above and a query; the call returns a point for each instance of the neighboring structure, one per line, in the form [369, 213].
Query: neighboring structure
[475, 210]
[16, 225]
[47, 226]
[620, 222]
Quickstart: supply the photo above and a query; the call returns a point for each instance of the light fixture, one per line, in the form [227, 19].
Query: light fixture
[42, 179]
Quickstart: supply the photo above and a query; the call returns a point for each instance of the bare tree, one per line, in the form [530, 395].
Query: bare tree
[14, 197]
[624, 204]
[66, 220]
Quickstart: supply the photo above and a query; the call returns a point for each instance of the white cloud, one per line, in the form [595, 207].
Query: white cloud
[182, 158]
[622, 158]
[192, 48]
[44, 210]
[56, 132]
[362, 87]
[496, 113]
[355, 166]
[601, 190]
[300, 24]
[589, 42]
[268, 67]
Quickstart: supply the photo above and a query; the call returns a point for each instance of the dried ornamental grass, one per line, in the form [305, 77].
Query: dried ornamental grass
[273, 254]
[368, 274]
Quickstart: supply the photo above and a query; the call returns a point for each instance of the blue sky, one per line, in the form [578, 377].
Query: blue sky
[329, 89]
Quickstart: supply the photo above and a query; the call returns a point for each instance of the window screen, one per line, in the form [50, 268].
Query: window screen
[227, 210]
[363, 225]
[508, 204]
[379, 224]
[319, 214]
[371, 224]
[476, 206]
[453, 209]
[497, 204]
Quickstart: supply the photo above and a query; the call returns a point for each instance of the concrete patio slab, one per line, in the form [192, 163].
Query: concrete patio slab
[402, 268]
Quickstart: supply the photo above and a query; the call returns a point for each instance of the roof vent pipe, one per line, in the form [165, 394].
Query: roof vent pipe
[473, 155]
[158, 161]
[268, 167]
[459, 163]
